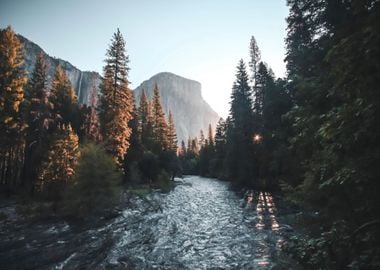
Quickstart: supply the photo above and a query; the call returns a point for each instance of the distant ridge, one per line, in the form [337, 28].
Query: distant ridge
[184, 98]
[86, 83]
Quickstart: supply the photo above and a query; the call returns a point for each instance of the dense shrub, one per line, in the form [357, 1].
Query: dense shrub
[97, 183]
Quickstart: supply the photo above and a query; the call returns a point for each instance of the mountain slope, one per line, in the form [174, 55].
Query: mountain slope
[85, 83]
[184, 98]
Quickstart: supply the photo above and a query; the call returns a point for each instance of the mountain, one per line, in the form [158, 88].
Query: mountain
[184, 98]
[85, 83]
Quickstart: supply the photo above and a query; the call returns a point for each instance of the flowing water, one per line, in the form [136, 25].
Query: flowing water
[201, 224]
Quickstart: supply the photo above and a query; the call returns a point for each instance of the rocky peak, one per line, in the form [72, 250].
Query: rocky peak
[183, 97]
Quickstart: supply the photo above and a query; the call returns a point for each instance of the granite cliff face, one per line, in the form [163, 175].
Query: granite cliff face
[184, 98]
[85, 83]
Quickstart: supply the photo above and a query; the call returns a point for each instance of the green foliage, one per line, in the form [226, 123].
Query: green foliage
[145, 127]
[190, 166]
[36, 114]
[59, 164]
[13, 76]
[141, 191]
[271, 147]
[217, 163]
[149, 166]
[239, 147]
[62, 99]
[333, 76]
[153, 143]
[116, 101]
[169, 162]
[333, 248]
[164, 182]
[135, 151]
[172, 135]
[160, 126]
[133, 174]
[12, 83]
[96, 185]
[254, 60]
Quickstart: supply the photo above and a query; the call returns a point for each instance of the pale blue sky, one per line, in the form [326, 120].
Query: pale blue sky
[198, 39]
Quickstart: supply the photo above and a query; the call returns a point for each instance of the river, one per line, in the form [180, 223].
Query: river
[200, 224]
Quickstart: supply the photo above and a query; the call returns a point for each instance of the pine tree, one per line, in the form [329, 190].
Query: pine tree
[301, 30]
[145, 122]
[12, 82]
[241, 109]
[62, 99]
[116, 100]
[220, 148]
[202, 138]
[210, 136]
[194, 148]
[332, 62]
[143, 111]
[172, 135]
[220, 132]
[271, 143]
[189, 144]
[255, 56]
[37, 118]
[135, 151]
[182, 150]
[239, 149]
[58, 166]
[160, 127]
[261, 79]
[207, 155]
[92, 121]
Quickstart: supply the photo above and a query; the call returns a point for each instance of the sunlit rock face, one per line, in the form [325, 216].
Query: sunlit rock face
[184, 98]
[85, 83]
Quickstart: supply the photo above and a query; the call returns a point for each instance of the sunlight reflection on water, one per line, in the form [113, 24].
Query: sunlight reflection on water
[266, 209]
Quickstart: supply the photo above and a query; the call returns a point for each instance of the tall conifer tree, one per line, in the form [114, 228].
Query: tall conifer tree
[194, 148]
[202, 138]
[189, 144]
[135, 151]
[254, 59]
[92, 121]
[220, 147]
[37, 118]
[62, 99]
[160, 127]
[210, 135]
[58, 166]
[182, 151]
[239, 150]
[12, 83]
[172, 135]
[116, 100]
[145, 122]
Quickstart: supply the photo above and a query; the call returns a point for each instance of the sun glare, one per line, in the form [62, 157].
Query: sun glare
[257, 138]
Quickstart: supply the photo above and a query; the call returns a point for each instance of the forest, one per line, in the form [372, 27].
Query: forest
[312, 136]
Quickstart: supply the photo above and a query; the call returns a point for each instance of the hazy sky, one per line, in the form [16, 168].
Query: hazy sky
[198, 39]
